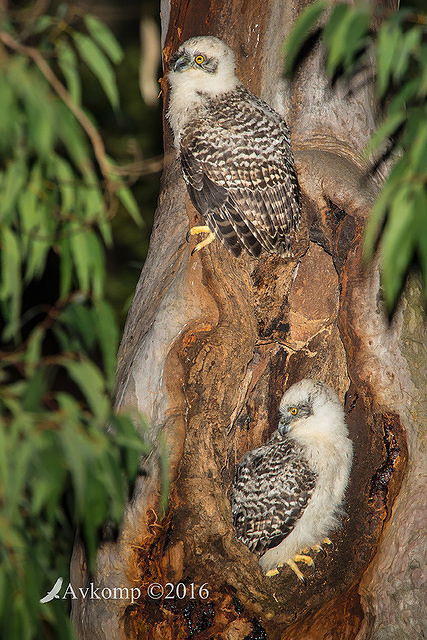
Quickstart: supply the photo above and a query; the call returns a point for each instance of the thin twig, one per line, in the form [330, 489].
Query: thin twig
[141, 167]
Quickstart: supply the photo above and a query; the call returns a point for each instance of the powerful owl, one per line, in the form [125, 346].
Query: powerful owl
[287, 494]
[235, 153]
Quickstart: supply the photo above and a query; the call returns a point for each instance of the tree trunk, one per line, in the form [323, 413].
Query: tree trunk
[211, 343]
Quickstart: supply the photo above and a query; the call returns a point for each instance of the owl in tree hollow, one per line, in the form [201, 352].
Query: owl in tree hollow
[288, 493]
[235, 153]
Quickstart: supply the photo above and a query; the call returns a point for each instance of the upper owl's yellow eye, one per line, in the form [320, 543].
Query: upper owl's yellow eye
[293, 410]
[199, 59]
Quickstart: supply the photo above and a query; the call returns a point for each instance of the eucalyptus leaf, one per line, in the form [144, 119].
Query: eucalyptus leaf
[14, 181]
[384, 131]
[334, 34]
[127, 199]
[410, 42]
[388, 42]
[68, 63]
[79, 250]
[104, 37]
[11, 284]
[420, 231]
[301, 30]
[397, 244]
[108, 336]
[90, 382]
[42, 23]
[99, 65]
[418, 152]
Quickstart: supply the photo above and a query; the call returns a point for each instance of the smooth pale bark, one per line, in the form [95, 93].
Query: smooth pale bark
[210, 344]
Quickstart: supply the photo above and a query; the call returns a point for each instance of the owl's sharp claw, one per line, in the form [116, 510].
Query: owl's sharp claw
[200, 229]
[329, 542]
[293, 566]
[306, 559]
[318, 549]
[301, 558]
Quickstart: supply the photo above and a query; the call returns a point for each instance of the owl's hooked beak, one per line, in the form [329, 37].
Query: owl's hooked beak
[284, 424]
[180, 62]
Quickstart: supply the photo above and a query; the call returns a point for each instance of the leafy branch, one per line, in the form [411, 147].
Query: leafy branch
[58, 87]
[397, 226]
[59, 466]
[46, 165]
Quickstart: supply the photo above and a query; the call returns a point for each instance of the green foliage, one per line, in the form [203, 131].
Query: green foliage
[98, 64]
[60, 466]
[53, 198]
[398, 51]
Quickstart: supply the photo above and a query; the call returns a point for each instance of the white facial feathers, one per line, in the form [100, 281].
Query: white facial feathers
[202, 66]
[311, 408]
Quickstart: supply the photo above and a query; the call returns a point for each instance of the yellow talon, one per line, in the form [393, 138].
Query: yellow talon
[193, 231]
[303, 558]
[200, 229]
[300, 558]
[318, 547]
[292, 564]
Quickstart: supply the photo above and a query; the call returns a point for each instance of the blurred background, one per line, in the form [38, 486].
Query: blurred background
[80, 163]
[132, 134]
[134, 137]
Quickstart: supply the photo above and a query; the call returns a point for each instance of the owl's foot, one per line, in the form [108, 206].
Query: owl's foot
[201, 229]
[292, 564]
[318, 547]
[300, 558]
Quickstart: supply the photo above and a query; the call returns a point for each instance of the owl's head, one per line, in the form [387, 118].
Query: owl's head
[204, 63]
[309, 399]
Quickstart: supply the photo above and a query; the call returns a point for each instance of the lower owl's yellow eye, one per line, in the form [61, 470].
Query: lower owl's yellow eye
[199, 59]
[293, 410]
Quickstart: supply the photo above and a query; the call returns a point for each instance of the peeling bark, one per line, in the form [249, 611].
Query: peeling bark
[211, 343]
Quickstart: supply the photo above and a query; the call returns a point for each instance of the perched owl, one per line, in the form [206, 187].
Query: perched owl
[235, 153]
[287, 494]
